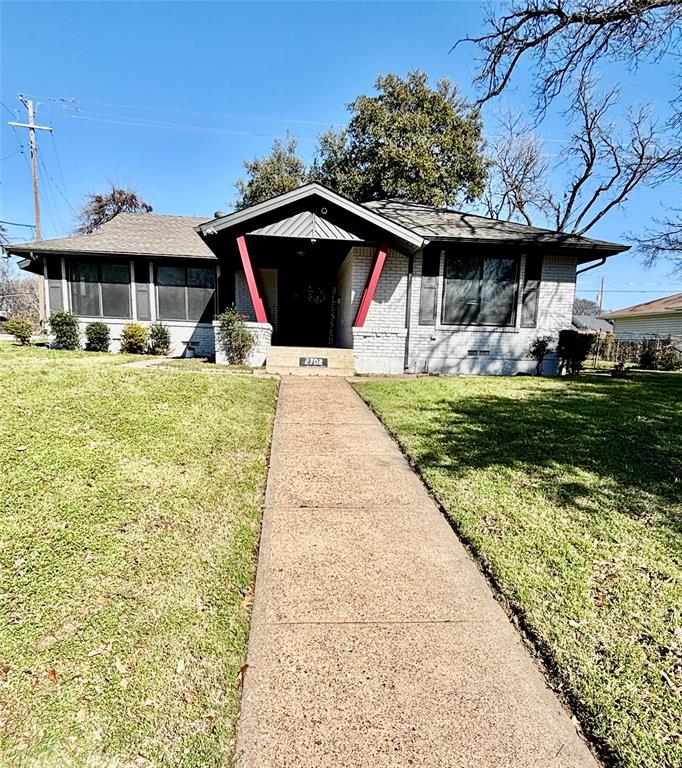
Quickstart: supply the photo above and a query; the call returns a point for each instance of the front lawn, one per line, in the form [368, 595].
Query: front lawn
[130, 504]
[570, 494]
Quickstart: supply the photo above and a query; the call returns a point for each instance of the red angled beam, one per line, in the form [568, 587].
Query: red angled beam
[258, 307]
[371, 287]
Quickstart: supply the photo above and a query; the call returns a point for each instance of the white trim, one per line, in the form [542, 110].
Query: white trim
[65, 286]
[152, 293]
[133, 296]
[46, 289]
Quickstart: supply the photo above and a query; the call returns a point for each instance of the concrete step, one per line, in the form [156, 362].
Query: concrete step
[310, 361]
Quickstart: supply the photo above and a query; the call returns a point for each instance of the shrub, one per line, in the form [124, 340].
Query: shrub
[21, 328]
[134, 339]
[649, 353]
[670, 356]
[539, 349]
[234, 338]
[159, 339]
[64, 327]
[97, 337]
[573, 349]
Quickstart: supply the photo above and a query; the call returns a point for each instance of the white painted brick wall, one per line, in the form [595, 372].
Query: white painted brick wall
[262, 333]
[198, 336]
[379, 346]
[242, 300]
[445, 349]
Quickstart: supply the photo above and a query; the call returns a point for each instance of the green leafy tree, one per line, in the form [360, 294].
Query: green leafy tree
[410, 140]
[279, 172]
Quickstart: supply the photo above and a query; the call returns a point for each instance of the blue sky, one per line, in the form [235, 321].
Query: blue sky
[171, 97]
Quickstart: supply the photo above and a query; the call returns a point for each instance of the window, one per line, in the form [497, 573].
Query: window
[186, 293]
[429, 287]
[100, 290]
[531, 292]
[479, 290]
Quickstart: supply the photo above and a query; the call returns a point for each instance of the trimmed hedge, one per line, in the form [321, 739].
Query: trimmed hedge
[64, 327]
[134, 339]
[97, 337]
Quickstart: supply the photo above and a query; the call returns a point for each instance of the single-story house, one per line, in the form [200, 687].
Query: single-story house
[392, 285]
[591, 324]
[658, 319]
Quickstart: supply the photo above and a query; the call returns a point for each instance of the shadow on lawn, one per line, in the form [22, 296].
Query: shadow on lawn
[628, 432]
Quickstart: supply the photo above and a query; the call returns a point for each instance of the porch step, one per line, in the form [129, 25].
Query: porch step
[310, 361]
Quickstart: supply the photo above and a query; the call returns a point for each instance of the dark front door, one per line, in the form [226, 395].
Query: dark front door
[307, 299]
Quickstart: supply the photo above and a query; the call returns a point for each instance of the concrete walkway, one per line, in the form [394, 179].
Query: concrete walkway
[374, 640]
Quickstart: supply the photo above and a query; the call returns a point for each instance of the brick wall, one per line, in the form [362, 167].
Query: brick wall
[262, 333]
[267, 279]
[198, 336]
[461, 349]
[380, 345]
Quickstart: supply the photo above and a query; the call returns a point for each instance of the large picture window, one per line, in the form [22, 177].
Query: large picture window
[100, 290]
[186, 293]
[479, 290]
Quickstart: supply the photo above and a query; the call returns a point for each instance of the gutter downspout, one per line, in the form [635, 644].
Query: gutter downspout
[408, 313]
[592, 266]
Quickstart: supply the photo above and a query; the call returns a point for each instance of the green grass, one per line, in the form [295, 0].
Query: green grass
[201, 364]
[130, 503]
[570, 494]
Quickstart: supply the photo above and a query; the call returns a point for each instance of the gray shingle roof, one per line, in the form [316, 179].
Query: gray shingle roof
[144, 234]
[441, 223]
[150, 234]
[591, 323]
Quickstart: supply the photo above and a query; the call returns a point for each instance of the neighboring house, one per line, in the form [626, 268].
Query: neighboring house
[591, 324]
[659, 318]
[404, 286]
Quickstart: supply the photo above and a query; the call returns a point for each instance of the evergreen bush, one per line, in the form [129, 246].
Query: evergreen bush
[21, 328]
[134, 339]
[573, 349]
[64, 327]
[234, 338]
[159, 339]
[97, 337]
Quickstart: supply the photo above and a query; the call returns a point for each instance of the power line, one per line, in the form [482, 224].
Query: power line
[143, 123]
[261, 118]
[16, 224]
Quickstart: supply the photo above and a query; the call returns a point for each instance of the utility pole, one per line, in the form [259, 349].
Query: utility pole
[32, 128]
[601, 295]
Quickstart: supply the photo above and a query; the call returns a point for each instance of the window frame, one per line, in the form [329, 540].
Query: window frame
[185, 266]
[487, 254]
[74, 263]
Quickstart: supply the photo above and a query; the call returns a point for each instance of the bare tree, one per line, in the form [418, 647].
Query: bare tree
[665, 242]
[18, 292]
[517, 173]
[586, 307]
[604, 165]
[610, 163]
[100, 208]
[566, 40]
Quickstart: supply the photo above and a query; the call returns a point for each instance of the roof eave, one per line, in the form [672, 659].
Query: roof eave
[603, 248]
[641, 315]
[130, 254]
